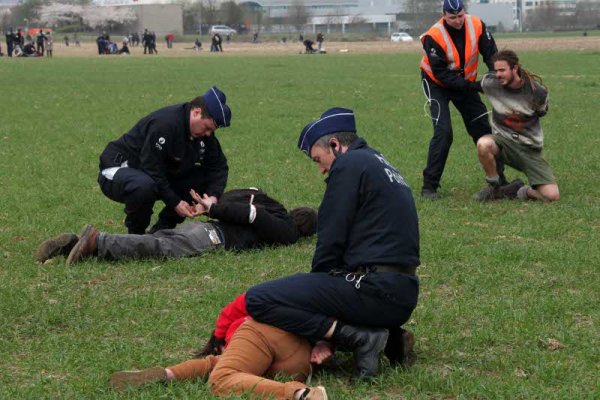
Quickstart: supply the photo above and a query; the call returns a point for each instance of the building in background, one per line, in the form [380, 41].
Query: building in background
[159, 16]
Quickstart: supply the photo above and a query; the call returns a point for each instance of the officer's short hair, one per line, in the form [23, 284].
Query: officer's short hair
[200, 103]
[345, 138]
[305, 219]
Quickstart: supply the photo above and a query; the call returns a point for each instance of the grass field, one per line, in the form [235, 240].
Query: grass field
[510, 290]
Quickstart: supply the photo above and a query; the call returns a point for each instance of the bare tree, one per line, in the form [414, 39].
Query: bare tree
[231, 13]
[422, 13]
[357, 19]
[298, 14]
[544, 17]
[192, 16]
[587, 14]
[210, 12]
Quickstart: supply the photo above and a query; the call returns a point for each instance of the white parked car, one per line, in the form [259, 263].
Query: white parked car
[401, 37]
[222, 30]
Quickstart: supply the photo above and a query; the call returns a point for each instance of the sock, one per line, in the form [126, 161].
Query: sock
[493, 180]
[336, 331]
[522, 193]
[302, 394]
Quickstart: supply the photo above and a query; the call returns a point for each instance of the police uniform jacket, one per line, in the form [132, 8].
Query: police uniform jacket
[161, 145]
[271, 225]
[368, 215]
[438, 60]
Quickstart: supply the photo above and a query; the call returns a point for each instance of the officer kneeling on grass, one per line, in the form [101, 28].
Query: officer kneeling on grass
[363, 282]
[163, 157]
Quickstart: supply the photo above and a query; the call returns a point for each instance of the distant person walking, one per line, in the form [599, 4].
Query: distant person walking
[320, 40]
[66, 39]
[41, 39]
[10, 41]
[146, 41]
[153, 43]
[49, 47]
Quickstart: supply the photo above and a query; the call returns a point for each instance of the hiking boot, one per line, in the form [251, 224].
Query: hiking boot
[86, 246]
[314, 393]
[121, 380]
[366, 344]
[510, 191]
[429, 194]
[57, 246]
[489, 193]
[400, 348]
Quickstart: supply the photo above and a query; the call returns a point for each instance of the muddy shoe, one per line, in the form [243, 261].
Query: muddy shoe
[57, 246]
[511, 190]
[86, 246]
[314, 393]
[122, 380]
[429, 194]
[489, 193]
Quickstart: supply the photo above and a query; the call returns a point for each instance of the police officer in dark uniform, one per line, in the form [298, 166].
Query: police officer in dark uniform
[10, 41]
[146, 41]
[364, 266]
[163, 156]
[449, 69]
[40, 42]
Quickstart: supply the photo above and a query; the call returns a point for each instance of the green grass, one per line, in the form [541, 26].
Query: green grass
[498, 280]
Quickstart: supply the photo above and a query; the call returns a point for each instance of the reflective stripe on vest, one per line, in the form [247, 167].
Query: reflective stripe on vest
[441, 36]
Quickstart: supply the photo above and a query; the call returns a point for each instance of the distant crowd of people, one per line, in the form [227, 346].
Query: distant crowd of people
[21, 44]
[148, 41]
[308, 44]
[106, 46]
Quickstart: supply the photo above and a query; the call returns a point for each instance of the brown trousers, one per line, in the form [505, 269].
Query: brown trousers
[254, 352]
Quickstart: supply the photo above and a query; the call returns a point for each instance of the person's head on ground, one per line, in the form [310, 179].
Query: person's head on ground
[324, 139]
[305, 219]
[209, 112]
[454, 13]
[509, 71]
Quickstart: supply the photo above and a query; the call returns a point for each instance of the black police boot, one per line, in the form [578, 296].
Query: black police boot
[400, 348]
[366, 344]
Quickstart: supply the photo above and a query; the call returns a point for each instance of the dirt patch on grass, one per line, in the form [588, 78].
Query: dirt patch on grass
[589, 43]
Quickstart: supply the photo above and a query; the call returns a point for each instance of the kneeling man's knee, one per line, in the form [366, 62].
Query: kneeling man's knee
[486, 144]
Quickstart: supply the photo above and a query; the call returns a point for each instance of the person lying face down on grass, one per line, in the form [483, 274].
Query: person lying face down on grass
[242, 354]
[240, 357]
[242, 219]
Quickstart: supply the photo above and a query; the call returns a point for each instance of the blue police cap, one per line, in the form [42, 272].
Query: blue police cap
[218, 109]
[333, 120]
[453, 6]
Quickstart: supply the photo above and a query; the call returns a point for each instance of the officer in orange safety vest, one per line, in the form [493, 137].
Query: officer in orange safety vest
[449, 70]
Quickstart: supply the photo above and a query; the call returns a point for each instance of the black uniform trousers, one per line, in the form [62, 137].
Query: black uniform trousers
[474, 116]
[138, 191]
[308, 304]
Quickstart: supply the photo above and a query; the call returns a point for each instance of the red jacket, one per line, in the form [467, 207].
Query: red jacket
[230, 318]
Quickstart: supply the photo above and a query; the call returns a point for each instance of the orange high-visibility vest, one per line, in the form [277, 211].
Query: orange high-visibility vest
[474, 29]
